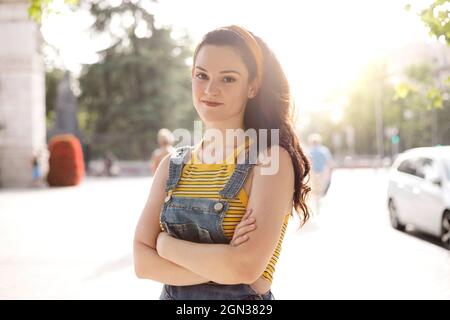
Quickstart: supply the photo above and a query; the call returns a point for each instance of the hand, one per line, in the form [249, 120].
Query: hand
[242, 230]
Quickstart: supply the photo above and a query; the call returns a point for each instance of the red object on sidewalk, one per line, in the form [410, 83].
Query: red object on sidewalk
[66, 165]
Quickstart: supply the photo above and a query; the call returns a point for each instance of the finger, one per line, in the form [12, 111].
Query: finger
[251, 219]
[244, 230]
[237, 233]
[245, 222]
[238, 229]
[240, 240]
[247, 213]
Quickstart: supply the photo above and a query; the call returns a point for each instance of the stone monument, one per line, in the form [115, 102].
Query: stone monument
[66, 110]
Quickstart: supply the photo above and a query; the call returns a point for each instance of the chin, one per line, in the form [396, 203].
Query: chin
[209, 117]
[210, 114]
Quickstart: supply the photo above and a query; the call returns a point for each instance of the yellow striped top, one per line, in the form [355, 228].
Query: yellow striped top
[200, 180]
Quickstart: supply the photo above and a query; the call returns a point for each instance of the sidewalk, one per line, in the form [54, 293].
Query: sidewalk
[72, 243]
[76, 243]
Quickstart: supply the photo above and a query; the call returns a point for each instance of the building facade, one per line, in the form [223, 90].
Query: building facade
[22, 96]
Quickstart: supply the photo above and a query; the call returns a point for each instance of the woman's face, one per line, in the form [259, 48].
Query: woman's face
[220, 84]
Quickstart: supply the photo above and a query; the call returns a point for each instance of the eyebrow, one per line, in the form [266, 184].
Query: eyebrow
[224, 71]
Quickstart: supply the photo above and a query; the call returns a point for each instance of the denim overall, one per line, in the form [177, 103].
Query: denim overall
[200, 220]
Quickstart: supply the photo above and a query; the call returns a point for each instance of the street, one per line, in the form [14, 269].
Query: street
[76, 243]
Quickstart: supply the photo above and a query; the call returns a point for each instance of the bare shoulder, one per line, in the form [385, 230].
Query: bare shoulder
[156, 152]
[273, 179]
[275, 161]
[163, 167]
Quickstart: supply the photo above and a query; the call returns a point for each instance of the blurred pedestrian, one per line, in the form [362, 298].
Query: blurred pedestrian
[321, 170]
[87, 157]
[36, 172]
[110, 164]
[165, 142]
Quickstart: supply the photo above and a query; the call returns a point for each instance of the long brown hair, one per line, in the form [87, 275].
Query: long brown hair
[272, 107]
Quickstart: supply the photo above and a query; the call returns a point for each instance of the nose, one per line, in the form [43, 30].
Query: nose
[212, 88]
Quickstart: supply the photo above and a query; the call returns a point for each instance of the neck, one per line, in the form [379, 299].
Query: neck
[224, 134]
[219, 140]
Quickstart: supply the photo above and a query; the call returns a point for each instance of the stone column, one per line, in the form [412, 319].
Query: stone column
[22, 95]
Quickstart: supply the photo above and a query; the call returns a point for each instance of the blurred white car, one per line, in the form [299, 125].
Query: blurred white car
[419, 191]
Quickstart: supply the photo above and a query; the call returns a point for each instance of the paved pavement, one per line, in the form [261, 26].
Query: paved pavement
[76, 243]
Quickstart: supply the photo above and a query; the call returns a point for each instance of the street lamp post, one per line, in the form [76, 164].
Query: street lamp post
[379, 122]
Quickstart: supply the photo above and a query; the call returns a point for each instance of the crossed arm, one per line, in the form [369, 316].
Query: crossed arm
[173, 261]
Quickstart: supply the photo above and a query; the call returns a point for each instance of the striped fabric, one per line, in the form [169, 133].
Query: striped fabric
[200, 180]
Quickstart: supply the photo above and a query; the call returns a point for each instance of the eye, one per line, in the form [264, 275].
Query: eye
[203, 76]
[229, 79]
[200, 75]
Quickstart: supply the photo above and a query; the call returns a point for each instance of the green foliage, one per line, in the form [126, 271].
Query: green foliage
[402, 90]
[415, 108]
[52, 79]
[436, 17]
[38, 8]
[424, 101]
[434, 96]
[420, 84]
[370, 88]
[140, 84]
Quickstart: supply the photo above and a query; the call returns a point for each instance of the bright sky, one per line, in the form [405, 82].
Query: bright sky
[321, 44]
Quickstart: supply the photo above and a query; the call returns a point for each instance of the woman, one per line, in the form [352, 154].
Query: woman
[219, 233]
[165, 141]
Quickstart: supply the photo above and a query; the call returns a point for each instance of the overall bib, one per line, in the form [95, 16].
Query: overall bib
[200, 220]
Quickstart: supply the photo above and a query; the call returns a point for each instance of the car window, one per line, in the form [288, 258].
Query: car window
[426, 168]
[407, 166]
[447, 168]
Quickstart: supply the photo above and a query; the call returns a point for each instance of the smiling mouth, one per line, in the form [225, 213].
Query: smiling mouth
[212, 104]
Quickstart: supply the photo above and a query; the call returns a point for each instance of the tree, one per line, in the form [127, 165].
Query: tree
[436, 18]
[52, 78]
[407, 113]
[370, 91]
[38, 8]
[421, 99]
[140, 84]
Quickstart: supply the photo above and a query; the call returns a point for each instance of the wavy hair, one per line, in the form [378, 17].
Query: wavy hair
[272, 107]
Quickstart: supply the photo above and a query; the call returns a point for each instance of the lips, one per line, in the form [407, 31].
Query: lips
[212, 103]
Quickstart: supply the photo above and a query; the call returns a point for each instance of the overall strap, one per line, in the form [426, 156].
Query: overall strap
[237, 179]
[232, 158]
[177, 160]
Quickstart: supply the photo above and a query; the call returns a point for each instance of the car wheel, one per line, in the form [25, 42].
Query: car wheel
[393, 216]
[445, 237]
